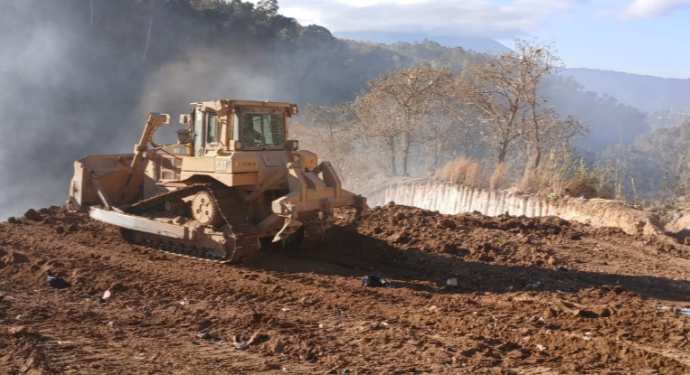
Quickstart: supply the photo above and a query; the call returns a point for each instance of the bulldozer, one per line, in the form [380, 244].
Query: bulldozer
[232, 179]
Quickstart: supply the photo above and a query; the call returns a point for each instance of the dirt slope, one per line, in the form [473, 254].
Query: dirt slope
[533, 296]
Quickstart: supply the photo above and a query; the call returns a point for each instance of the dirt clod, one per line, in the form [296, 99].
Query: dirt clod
[33, 215]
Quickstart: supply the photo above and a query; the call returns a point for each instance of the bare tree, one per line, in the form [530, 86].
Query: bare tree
[377, 119]
[404, 96]
[505, 90]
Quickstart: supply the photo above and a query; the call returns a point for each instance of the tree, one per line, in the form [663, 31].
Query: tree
[505, 90]
[405, 97]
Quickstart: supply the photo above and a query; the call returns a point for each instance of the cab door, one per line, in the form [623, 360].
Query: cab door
[199, 133]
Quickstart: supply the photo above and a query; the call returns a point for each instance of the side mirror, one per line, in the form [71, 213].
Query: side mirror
[184, 136]
[185, 120]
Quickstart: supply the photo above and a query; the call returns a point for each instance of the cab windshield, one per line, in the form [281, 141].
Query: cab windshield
[262, 130]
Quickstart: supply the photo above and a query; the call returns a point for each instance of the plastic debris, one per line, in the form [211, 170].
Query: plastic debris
[110, 324]
[452, 282]
[105, 297]
[239, 345]
[541, 347]
[375, 281]
[285, 309]
[684, 311]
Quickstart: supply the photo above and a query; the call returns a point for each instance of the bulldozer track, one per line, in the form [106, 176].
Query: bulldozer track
[239, 228]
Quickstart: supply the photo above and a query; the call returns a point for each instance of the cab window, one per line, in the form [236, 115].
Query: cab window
[260, 129]
[212, 130]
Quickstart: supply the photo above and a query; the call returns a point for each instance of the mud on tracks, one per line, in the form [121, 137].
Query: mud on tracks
[533, 296]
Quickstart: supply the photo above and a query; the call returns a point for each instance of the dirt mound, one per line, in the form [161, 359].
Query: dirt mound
[530, 296]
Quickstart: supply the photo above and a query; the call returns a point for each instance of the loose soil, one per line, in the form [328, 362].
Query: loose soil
[529, 296]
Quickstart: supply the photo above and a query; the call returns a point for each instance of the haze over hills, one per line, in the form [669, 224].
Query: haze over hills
[468, 43]
[646, 93]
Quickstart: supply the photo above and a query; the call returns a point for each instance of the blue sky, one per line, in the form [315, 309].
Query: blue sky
[636, 36]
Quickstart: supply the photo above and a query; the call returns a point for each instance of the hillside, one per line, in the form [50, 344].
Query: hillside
[468, 43]
[646, 93]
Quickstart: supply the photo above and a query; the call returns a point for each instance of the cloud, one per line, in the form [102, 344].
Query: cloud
[649, 8]
[469, 17]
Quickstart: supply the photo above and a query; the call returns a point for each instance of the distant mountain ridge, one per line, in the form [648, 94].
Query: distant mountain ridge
[468, 43]
[647, 93]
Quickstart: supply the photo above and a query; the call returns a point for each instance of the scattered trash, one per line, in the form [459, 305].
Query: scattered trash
[541, 320]
[105, 297]
[128, 307]
[285, 309]
[541, 347]
[452, 282]
[239, 345]
[19, 316]
[321, 325]
[582, 198]
[205, 335]
[57, 282]
[375, 281]
[139, 356]
[684, 311]
[110, 324]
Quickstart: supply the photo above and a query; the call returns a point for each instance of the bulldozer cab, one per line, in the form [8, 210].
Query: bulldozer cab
[231, 125]
[259, 127]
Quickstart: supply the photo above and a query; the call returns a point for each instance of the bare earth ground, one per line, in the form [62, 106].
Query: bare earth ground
[534, 296]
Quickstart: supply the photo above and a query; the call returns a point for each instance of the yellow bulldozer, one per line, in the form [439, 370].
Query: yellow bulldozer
[232, 178]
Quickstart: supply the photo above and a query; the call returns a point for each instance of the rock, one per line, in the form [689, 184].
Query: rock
[47, 221]
[60, 230]
[278, 347]
[686, 241]
[73, 228]
[12, 220]
[33, 215]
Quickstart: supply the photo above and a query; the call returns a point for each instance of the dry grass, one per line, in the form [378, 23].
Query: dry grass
[462, 171]
[498, 178]
[563, 175]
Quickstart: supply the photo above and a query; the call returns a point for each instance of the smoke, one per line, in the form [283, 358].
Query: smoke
[79, 76]
[62, 97]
